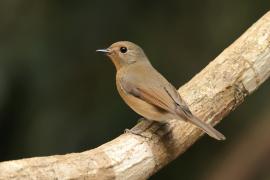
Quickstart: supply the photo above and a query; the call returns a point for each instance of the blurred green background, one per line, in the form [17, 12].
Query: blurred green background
[57, 95]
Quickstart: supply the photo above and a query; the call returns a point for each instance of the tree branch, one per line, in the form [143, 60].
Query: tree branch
[212, 94]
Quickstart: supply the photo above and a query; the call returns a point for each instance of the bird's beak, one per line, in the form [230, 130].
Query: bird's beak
[106, 51]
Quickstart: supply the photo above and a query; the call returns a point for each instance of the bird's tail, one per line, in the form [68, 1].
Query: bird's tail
[207, 128]
[203, 125]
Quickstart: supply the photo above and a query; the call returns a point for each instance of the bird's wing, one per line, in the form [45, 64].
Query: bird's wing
[154, 93]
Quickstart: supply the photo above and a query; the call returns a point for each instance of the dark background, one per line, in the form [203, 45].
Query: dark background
[57, 95]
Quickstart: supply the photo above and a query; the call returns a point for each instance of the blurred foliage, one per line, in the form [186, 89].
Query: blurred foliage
[58, 96]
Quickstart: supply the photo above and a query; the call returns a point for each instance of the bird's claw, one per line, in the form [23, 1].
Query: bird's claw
[136, 132]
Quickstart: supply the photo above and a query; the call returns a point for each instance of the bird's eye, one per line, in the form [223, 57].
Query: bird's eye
[123, 50]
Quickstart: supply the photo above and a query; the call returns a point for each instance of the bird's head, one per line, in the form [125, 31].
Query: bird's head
[124, 53]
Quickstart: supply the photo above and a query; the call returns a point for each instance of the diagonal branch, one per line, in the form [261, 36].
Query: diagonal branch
[213, 93]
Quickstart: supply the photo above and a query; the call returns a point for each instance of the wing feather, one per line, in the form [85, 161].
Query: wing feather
[153, 95]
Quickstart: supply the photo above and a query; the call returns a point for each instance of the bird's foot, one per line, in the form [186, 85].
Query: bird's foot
[149, 127]
[141, 120]
[137, 132]
[140, 127]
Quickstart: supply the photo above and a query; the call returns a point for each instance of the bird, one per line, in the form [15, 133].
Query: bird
[146, 91]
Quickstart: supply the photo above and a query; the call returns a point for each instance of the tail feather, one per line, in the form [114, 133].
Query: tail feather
[207, 128]
[203, 125]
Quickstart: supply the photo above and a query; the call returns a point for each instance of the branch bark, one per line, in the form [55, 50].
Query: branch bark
[213, 93]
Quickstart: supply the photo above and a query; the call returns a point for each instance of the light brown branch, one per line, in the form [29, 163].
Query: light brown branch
[213, 93]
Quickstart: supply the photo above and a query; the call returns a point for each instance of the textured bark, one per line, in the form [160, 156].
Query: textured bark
[213, 93]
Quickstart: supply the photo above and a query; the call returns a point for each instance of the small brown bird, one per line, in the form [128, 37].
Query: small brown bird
[146, 91]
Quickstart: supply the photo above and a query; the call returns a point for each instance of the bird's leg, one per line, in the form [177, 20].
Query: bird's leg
[140, 127]
[138, 133]
[159, 128]
[142, 119]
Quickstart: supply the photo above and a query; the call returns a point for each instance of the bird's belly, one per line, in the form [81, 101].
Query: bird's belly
[145, 109]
